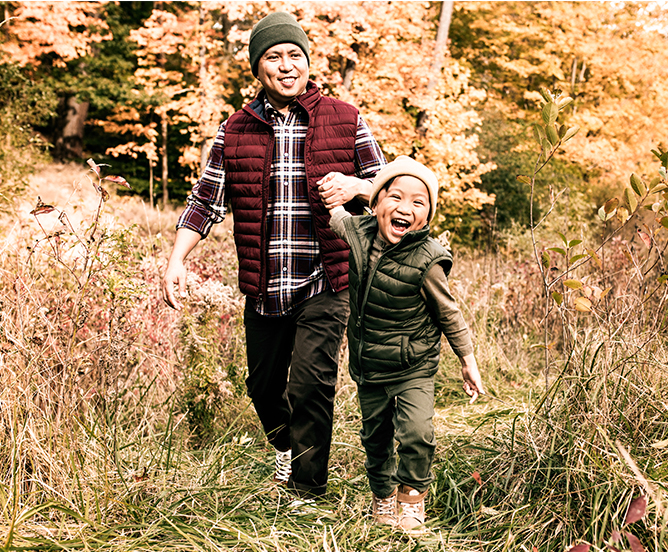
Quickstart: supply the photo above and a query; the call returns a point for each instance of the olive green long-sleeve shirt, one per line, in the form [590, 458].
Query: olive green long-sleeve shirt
[435, 291]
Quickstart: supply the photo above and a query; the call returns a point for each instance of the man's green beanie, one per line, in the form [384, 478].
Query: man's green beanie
[276, 28]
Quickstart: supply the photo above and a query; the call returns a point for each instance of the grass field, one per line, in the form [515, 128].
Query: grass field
[124, 425]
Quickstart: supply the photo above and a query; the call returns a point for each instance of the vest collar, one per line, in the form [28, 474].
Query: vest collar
[310, 98]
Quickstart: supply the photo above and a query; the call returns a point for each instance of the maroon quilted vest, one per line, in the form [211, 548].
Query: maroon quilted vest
[249, 146]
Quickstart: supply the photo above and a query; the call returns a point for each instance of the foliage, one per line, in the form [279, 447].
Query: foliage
[190, 71]
[117, 466]
[212, 347]
[54, 32]
[23, 105]
[124, 426]
[590, 51]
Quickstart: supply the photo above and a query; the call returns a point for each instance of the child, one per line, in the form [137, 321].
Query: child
[399, 305]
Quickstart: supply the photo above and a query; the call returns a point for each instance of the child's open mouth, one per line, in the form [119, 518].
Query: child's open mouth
[400, 225]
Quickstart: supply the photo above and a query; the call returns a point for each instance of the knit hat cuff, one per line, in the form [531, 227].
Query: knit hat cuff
[406, 166]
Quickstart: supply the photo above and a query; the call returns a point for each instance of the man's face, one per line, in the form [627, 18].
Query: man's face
[402, 207]
[283, 72]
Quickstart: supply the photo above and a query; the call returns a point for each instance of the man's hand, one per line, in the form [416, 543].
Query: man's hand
[176, 273]
[175, 276]
[472, 380]
[336, 189]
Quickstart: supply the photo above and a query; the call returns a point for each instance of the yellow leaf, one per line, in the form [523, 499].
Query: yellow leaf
[582, 304]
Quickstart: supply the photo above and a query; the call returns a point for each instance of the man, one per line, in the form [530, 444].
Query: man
[268, 161]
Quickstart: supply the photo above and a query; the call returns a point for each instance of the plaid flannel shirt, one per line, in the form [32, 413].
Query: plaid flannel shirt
[295, 269]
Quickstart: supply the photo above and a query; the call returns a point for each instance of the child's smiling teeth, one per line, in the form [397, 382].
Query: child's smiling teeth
[400, 224]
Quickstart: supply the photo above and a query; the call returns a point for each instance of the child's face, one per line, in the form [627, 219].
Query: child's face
[402, 207]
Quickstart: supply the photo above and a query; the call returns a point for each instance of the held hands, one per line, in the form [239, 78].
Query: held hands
[336, 189]
[472, 380]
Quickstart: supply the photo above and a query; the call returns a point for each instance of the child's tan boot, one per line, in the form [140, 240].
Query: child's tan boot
[385, 509]
[411, 509]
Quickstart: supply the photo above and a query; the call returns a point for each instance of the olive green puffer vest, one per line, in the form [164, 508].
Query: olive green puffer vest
[391, 335]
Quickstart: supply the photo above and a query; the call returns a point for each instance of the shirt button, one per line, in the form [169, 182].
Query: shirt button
[286, 154]
[285, 183]
[285, 269]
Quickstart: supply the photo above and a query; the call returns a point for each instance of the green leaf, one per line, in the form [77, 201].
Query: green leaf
[546, 94]
[563, 238]
[631, 199]
[557, 250]
[562, 130]
[552, 135]
[605, 216]
[662, 279]
[637, 185]
[538, 133]
[558, 297]
[547, 148]
[573, 284]
[523, 179]
[545, 259]
[663, 157]
[659, 188]
[596, 258]
[563, 102]
[549, 113]
[576, 258]
[573, 243]
[664, 222]
[570, 133]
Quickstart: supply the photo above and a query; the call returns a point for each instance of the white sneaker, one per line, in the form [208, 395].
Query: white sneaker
[308, 506]
[283, 466]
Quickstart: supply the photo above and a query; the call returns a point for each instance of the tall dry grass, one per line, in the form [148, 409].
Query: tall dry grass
[124, 426]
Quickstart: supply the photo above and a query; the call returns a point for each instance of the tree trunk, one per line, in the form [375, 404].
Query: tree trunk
[150, 182]
[70, 142]
[202, 91]
[437, 59]
[348, 74]
[165, 168]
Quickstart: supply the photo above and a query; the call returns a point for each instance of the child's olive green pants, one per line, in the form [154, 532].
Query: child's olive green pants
[401, 412]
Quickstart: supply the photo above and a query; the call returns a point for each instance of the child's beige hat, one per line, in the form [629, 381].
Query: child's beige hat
[404, 165]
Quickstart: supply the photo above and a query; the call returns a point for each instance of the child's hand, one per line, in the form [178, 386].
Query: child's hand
[471, 375]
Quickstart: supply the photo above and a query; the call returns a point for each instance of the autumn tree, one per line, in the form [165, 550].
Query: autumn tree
[174, 86]
[608, 56]
[53, 35]
[380, 58]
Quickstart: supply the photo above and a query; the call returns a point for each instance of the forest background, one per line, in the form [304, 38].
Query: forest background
[124, 425]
